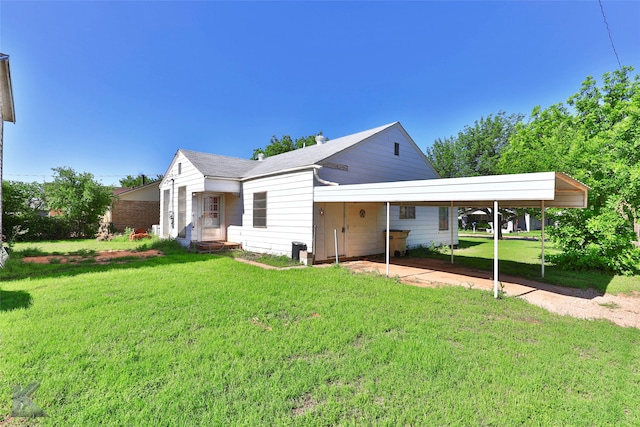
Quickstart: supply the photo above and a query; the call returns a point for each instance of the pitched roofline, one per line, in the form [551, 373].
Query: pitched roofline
[382, 128]
[401, 128]
[132, 189]
[281, 171]
[222, 177]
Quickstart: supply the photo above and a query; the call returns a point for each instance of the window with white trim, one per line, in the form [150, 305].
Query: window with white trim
[182, 212]
[407, 212]
[260, 210]
[443, 218]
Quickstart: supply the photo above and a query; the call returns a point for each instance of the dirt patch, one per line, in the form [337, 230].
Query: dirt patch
[101, 257]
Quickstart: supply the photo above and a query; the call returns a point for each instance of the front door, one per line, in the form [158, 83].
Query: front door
[335, 229]
[212, 217]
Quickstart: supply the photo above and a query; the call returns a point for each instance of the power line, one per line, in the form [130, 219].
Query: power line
[604, 17]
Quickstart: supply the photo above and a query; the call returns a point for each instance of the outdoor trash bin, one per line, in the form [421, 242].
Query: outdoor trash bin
[296, 247]
[397, 242]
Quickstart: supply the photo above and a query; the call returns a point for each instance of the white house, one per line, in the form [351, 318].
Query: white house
[266, 205]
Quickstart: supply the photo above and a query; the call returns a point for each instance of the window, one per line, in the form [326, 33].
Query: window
[407, 212]
[396, 148]
[179, 168]
[260, 209]
[166, 208]
[182, 212]
[443, 215]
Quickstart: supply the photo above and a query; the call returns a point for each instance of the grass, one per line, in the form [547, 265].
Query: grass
[280, 261]
[522, 258]
[190, 339]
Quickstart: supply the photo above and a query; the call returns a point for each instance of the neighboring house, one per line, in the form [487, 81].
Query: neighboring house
[267, 205]
[524, 222]
[137, 207]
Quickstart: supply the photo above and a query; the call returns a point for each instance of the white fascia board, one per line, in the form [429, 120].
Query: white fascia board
[535, 186]
[222, 185]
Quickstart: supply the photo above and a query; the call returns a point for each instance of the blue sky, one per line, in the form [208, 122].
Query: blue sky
[115, 88]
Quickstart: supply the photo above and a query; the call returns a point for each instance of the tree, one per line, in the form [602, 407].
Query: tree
[279, 146]
[476, 151]
[22, 203]
[594, 137]
[78, 198]
[137, 181]
[22, 197]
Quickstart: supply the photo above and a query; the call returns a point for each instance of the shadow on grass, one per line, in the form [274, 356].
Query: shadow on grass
[173, 253]
[590, 284]
[11, 300]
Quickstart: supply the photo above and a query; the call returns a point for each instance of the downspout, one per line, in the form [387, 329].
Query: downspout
[322, 181]
[325, 182]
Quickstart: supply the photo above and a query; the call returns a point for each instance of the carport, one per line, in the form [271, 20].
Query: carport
[532, 190]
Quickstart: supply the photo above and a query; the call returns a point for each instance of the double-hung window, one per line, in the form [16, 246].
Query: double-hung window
[260, 210]
[443, 218]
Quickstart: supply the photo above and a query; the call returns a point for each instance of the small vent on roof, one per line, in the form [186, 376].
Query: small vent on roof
[320, 139]
[260, 157]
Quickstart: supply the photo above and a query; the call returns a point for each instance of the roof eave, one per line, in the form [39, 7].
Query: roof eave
[282, 171]
[8, 110]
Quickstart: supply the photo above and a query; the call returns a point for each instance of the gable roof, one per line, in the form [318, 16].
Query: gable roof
[313, 154]
[216, 166]
[122, 190]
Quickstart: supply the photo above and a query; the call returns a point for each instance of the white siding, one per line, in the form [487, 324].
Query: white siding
[289, 214]
[193, 180]
[375, 161]
[232, 209]
[365, 236]
[424, 229]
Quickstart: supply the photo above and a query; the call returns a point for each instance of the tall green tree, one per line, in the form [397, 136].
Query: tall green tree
[476, 151]
[79, 198]
[131, 181]
[594, 137]
[283, 145]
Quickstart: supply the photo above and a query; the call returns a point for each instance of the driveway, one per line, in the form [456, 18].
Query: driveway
[585, 304]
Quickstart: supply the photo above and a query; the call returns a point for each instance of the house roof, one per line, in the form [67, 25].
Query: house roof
[122, 190]
[215, 166]
[8, 112]
[313, 154]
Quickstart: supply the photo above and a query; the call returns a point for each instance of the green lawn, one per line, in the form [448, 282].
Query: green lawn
[191, 339]
[522, 258]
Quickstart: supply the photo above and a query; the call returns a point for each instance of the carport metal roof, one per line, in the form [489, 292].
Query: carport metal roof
[530, 190]
[526, 190]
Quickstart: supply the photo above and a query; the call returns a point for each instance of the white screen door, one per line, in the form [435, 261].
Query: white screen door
[211, 218]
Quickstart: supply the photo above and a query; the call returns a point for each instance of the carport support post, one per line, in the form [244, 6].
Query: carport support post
[496, 224]
[452, 231]
[542, 237]
[387, 241]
